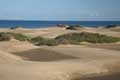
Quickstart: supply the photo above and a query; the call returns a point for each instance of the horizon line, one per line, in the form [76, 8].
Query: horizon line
[53, 20]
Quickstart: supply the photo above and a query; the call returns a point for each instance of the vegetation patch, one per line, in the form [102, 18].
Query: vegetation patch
[43, 41]
[21, 37]
[76, 38]
[74, 27]
[71, 38]
[111, 26]
[16, 27]
[4, 37]
[7, 36]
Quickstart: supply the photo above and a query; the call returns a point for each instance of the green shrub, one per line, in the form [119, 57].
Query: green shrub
[111, 26]
[21, 37]
[76, 38]
[7, 36]
[4, 37]
[74, 27]
[43, 41]
[18, 36]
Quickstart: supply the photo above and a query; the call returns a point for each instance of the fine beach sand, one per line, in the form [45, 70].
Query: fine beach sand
[25, 61]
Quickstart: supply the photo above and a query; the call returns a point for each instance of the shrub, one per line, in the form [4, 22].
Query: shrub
[7, 36]
[43, 41]
[74, 27]
[18, 36]
[76, 38]
[21, 37]
[16, 27]
[4, 37]
[111, 26]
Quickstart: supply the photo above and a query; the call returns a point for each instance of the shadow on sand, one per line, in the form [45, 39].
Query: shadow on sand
[113, 76]
[43, 55]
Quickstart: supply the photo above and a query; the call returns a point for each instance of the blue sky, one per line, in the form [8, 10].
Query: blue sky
[77, 10]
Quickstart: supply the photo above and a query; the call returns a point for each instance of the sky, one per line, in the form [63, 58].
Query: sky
[75, 10]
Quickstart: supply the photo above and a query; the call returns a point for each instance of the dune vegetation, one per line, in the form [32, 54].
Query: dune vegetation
[74, 27]
[4, 37]
[70, 38]
[9, 35]
[43, 41]
[111, 26]
[76, 38]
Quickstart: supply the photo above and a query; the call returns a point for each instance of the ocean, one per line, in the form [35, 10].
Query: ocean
[42, 24]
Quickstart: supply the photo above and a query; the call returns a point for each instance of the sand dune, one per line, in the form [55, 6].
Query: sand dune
[16, 46]
[73, 60]
[90, 62]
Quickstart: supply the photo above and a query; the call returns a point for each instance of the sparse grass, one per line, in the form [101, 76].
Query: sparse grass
[71, 38]
[76, 38]
[7, 36]
[21, 37]
[43, 41]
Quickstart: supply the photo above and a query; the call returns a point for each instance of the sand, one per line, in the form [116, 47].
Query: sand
[6, 58]
[63, 62]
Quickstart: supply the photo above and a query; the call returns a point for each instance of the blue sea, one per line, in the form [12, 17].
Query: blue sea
[42, 24]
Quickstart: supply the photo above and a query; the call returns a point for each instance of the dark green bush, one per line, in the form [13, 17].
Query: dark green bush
[111, 26]
[4, 37]
[74, 27]
[16, 27]
[43, 41]
[76, 38]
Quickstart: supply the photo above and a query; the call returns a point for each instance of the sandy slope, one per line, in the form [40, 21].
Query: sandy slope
[90, 61]
[6, 47]
[15, 46]
[6, 58]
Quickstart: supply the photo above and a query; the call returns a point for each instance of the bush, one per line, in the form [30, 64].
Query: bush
[76, 38]
[43, 41]
[7, 36]
[111, 26]
[16, 27]
[4, 37]
[18, 36]
[74, 27]
[21, 37]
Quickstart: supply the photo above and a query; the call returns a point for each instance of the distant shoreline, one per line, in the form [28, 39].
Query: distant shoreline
[44, 24]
